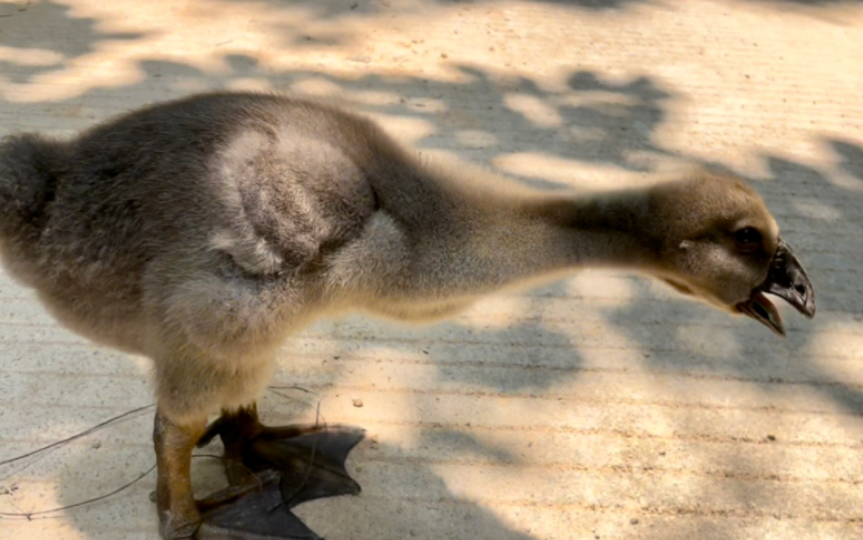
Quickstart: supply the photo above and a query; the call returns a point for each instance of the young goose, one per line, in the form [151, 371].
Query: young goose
[201, 232]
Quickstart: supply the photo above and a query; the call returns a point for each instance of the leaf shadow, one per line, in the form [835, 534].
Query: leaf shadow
[46, 37]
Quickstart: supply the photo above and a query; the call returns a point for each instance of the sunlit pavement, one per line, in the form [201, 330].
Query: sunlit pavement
[598, 407]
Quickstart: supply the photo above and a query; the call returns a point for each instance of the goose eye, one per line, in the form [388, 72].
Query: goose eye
[748, 239]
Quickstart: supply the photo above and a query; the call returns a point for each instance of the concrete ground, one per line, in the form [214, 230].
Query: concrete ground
[598, 407]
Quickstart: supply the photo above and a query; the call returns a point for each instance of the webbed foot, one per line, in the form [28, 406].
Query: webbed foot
[310, 459]
[272, 470]
[253, 512]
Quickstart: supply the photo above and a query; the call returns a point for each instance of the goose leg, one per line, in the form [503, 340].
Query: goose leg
[309, 458]
[254, 511]
[178, 514]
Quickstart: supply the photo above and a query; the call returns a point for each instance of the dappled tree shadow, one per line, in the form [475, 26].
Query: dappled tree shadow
[485, 117]
[815, 3]
[591, 121]
[595, 121]
[47, 38]
[372, 7]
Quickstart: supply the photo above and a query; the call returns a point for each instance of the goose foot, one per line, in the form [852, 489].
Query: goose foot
[270, 471]
[306, 466]
[310, 458]
[253, 512]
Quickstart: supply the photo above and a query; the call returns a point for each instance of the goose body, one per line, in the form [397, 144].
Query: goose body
[201, 232]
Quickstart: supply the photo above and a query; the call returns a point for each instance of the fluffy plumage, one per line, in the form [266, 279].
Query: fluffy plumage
[201, 232]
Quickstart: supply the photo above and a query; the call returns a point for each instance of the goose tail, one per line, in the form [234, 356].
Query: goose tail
[28, 170]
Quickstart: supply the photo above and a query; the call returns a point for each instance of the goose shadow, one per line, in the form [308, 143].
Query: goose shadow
[406, 485]
[403, 492]
[414, 501]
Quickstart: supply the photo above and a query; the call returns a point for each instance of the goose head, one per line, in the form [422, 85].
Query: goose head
[721, 245]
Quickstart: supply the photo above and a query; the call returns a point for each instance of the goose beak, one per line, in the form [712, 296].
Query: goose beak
[786, 279]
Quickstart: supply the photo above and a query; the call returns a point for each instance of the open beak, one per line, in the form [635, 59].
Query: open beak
[786, 279]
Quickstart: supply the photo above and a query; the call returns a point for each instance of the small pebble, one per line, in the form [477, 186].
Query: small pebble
[358, 403]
